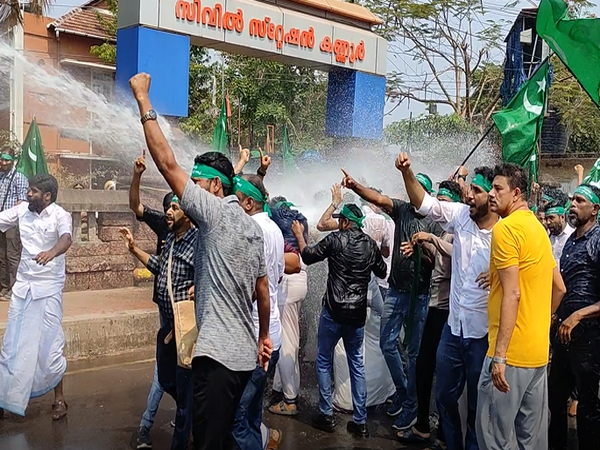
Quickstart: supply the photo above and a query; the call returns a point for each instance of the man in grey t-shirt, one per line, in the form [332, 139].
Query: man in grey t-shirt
[230, 268]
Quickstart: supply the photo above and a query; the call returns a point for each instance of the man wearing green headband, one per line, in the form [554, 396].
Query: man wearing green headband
[230, 272]
[252, 195]
[352, 257]
[575, 349]
[525, 284]
[555, 221]
[463, 340]
[13, 190]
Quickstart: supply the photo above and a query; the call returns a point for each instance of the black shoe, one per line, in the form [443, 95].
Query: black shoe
[323, 422]
[358, 430]
[143, 438]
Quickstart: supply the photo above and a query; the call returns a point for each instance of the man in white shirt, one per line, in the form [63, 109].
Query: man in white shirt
[464, 342]
[32, 361]
[560, 230]
[247, 430]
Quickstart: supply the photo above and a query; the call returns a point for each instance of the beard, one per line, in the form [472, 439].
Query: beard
[480, 212]
[36, 206]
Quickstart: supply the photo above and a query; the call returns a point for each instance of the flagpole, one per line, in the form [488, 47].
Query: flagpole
[546, 59]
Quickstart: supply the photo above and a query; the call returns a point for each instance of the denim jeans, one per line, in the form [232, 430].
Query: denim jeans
[395, 315]
[154, 398]
[248, 416]
[330, 332]
[459, 361]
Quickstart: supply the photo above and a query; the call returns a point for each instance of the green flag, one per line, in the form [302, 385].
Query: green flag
[593, 177]
[32, 160]
[520, 123]
[288, 157]
[576, 42]
[219, 140]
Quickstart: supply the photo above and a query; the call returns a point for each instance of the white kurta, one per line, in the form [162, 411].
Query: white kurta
[32, 361]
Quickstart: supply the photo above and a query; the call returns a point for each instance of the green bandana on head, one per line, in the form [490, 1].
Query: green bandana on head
[425, 182]
[200, 171]
[175, 199]
[6, 157]
[247, 188]
[443, 192]
[533, 209]
[348, 214]
[547, 198]
[482, 182]
[282, 203]
[587, 193]
[556, 210]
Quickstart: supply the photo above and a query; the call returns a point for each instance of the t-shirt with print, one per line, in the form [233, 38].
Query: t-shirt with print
[229, 258]
[408, 222]
[520, 240]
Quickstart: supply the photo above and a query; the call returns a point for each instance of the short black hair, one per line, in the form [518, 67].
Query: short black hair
[278, 199]
[556, 194]
[167, 200]
[452, 186]
[221, 163]
[257, 182]
[486, 172]
[45, 183]
[516, 176]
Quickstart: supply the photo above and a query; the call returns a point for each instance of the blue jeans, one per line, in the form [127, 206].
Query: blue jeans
[330, 332]
[248, 416]
[459, 361]
[154, 398]
[396, 310]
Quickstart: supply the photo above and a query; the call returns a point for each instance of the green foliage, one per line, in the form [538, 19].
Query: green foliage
[578, 113]
[107, 51]
[10, 11]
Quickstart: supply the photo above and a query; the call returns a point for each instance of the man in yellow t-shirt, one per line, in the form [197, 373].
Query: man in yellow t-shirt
[525, 288]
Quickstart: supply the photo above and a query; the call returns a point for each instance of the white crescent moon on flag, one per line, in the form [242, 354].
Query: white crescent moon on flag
[537, 109]
[33, 156]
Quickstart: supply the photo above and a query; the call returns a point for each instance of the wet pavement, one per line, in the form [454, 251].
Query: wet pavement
[107, 397]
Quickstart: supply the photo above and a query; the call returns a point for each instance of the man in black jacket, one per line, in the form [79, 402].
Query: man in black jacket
[352, 256]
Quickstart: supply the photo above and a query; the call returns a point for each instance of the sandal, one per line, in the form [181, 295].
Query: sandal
[274, 439]
[60, 409]
[284, 409]
[412, 437]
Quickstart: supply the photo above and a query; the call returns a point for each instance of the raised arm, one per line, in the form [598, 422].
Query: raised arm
[135, 204]
[141, 255]
[370, 195]
[442, 246]
[244, 157]
[159, 148]
[9, 218]
[326, 222]
[415, 191]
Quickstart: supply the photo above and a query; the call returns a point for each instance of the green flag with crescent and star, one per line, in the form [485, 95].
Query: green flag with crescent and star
[593, 177]
[520, 123]
[32, 160]
[576, 42]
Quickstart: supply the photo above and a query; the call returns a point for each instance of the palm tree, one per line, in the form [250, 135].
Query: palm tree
[11, 10]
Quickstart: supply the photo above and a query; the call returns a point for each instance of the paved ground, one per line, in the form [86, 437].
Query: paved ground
[107, 397]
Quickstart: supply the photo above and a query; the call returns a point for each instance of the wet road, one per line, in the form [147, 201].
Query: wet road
[106, 400]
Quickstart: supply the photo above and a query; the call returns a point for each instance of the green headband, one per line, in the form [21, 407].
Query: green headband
[282, 203]
[558, 210]
[588, 194]
[175, 199]
[443, 192]
[425, 182]
[482, 182]
[547, 198]
[208, 173]
[6, 157]
[533, 208]
[348, 214]
[247, 188]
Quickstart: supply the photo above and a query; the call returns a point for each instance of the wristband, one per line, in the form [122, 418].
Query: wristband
[498, 360]
[335, 207]
[261, 173]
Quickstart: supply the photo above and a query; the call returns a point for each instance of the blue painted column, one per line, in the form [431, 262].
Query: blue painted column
[165, 57]
[355, 104]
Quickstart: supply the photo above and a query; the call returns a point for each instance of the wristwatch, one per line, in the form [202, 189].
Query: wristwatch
[150, 115]
[464, 177]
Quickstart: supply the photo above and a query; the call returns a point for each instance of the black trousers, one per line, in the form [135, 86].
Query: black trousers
[217, 392]
[10, 257]
[426, 362]
[576, 365]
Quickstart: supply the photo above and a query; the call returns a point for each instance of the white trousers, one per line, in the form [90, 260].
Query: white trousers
[31, 361]
[292, 292]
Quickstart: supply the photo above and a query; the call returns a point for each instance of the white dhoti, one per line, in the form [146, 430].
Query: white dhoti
[380, 385]
[31, 361]
[292, 292]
